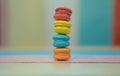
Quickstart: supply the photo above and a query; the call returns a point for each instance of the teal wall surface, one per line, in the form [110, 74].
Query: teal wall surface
[95, 22]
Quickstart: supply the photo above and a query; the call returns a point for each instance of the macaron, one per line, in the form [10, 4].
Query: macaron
[62, 27]
[61, 53]
[63, 13]
[61, 41]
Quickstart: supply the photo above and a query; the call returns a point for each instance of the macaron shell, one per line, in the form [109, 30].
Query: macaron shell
[58, 37]
[64, 8]
[62, 30]
[61, 58]
[61, 44]
[62, 23]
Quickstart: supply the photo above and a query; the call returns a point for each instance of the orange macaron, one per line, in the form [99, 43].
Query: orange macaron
[61, 53]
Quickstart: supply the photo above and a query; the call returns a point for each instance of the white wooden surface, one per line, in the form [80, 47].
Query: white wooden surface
[59, 69]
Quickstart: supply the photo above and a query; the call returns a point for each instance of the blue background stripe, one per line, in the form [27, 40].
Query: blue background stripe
[45, 52]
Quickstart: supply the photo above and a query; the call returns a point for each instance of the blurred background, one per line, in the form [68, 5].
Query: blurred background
[29, 23]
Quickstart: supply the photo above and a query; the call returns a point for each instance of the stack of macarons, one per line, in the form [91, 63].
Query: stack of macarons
[62, 28]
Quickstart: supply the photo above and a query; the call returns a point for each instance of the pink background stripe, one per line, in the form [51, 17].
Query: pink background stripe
[49, 59]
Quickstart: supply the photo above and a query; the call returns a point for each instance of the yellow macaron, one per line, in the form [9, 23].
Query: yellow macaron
[61, 23]
[62, 27]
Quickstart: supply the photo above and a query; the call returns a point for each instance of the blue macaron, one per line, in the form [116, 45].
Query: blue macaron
[61, 41]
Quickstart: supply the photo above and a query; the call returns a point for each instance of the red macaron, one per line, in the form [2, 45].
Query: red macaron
[63, 13]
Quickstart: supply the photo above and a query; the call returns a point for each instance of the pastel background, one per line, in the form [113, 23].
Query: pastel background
[29, 23]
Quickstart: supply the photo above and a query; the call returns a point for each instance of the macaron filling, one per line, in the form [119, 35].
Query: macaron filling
[64, 9]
